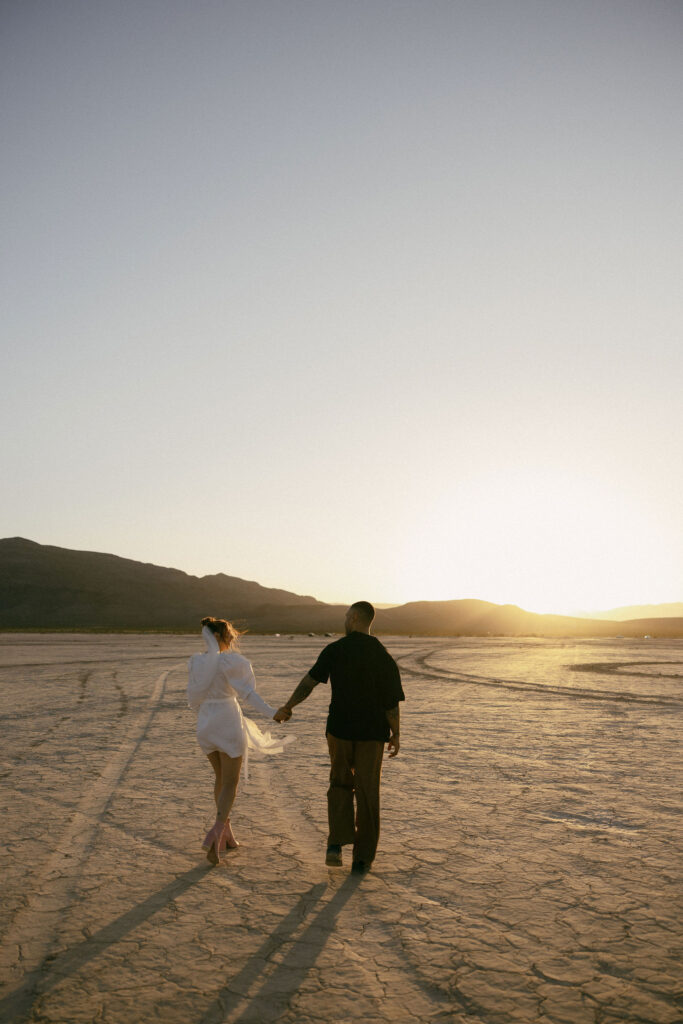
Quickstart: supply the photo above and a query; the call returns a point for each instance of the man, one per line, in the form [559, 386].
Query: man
[363, 716]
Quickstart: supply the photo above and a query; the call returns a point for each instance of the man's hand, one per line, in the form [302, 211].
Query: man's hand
[394, 720]
[283, 714]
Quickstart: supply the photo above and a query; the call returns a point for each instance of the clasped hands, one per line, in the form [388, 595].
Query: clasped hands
[282, 714]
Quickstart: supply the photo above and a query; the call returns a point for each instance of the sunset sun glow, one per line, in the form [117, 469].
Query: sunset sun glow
[548, 541]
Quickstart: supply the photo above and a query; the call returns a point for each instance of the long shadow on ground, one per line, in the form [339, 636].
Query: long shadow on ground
[286, 977]
[17, 1005]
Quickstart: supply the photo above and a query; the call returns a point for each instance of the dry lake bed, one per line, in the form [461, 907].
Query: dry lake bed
[529, 867]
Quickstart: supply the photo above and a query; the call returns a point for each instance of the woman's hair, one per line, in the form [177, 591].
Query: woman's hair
[222, 628]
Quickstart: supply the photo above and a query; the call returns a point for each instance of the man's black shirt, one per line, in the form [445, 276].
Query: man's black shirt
[365, 684]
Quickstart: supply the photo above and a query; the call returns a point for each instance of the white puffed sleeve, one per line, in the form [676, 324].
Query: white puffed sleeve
[241, 678]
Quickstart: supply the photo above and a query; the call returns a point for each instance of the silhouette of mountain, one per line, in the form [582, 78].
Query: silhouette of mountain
[481, 618]
[640, 611]
[50, 587]
[45, 587]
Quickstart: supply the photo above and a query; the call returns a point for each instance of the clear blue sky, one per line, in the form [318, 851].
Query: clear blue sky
[364, 300]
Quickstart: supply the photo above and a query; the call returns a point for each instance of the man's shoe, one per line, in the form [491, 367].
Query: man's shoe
[333, 857]
[360, 867]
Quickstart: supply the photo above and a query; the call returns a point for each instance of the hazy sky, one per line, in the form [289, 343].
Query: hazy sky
[363, 299]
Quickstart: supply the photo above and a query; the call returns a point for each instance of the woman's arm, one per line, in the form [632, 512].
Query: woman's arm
[244, 683]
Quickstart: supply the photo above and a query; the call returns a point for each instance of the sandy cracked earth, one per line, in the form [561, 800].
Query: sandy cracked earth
[529, 868]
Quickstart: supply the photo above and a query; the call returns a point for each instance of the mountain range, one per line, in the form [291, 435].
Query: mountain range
[639, 611]
[51, 588]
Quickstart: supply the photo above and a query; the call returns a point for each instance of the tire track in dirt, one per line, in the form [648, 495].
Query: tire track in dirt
[422, 665]
[30, 935]
[83, 661]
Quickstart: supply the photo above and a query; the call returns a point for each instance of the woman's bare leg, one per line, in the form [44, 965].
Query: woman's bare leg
[230, 774]
[227, 773]
[215, 762]
[215, 759]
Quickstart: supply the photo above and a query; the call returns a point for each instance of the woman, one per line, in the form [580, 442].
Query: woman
[224, 735]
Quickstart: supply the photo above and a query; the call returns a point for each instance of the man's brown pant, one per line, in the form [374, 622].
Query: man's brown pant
[355, 768]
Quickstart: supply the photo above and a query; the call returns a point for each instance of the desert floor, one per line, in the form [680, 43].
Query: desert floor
[528, 869]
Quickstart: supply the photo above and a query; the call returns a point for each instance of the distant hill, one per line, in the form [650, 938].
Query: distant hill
[480, 618]
[57, 588]
[641, 611]
[45, 587]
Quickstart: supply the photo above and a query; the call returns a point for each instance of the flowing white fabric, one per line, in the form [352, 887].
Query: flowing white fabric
[203, 668]
[261, 742]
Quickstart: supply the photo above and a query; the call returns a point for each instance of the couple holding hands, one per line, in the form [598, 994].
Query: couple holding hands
[363, 716]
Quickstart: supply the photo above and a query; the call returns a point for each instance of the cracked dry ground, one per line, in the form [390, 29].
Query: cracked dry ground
[527, 872]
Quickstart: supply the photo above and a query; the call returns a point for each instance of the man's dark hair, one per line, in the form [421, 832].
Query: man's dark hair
[365, 610]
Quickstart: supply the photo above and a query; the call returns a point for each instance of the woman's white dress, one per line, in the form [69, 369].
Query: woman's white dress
[220, 722]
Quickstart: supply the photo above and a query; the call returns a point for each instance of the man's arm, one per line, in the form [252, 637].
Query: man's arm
[394, 720]
[303, 690]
